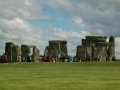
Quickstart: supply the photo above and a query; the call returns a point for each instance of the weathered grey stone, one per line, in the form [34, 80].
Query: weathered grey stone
[13, 52]
[88, 51]
[26, 53]
[97, 48]
[96, 38]
[111, 53]
[56, 48]
[112, 39]
[46, 52]
[102, 53]
[81, 52]
[95, 53]
[36, 54]
[8, 50]
[111, 49]
[83, 41]
[16, 53]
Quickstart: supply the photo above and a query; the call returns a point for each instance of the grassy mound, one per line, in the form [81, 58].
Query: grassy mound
[60, 76]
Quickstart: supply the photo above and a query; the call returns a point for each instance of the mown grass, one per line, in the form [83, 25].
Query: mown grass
[60, 76]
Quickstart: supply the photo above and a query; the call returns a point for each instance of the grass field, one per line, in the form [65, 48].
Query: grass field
[60, 76]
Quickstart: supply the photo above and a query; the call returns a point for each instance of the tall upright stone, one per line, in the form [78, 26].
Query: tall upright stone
[95, 54]
[89, 52]
[56, 49]
[25, 52]
[16, 55]
[111, 49]
[36, 54]
[9, 50]
[102, 53]
[46, 52]
[97, 48]
[13, 52]
[81, 52]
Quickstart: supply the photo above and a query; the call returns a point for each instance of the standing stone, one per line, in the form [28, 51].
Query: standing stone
[8, 50]
[111, 49]
[97, 48]
[95, 53]
[46, 52]
[56, 49]
[36, 54]
[13, 52]
[88, 53]
[81, 53]
[25, 52]
[16, 53]
[102, 53]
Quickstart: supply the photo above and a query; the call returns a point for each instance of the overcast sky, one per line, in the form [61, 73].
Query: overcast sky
[35, 22]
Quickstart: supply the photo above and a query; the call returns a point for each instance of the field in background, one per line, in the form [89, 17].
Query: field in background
[60, 76]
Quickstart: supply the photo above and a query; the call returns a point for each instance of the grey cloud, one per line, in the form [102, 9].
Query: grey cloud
[24, 9]
[73, 38]
[14, 24]
[99, 17]
[97, 14]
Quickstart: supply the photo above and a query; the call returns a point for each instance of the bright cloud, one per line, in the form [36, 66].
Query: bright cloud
[90, 17]
[73, 38]
[78, 21]
[14, 24]
[97, 14]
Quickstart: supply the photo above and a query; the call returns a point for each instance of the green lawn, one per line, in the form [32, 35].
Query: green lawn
[60, 76]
